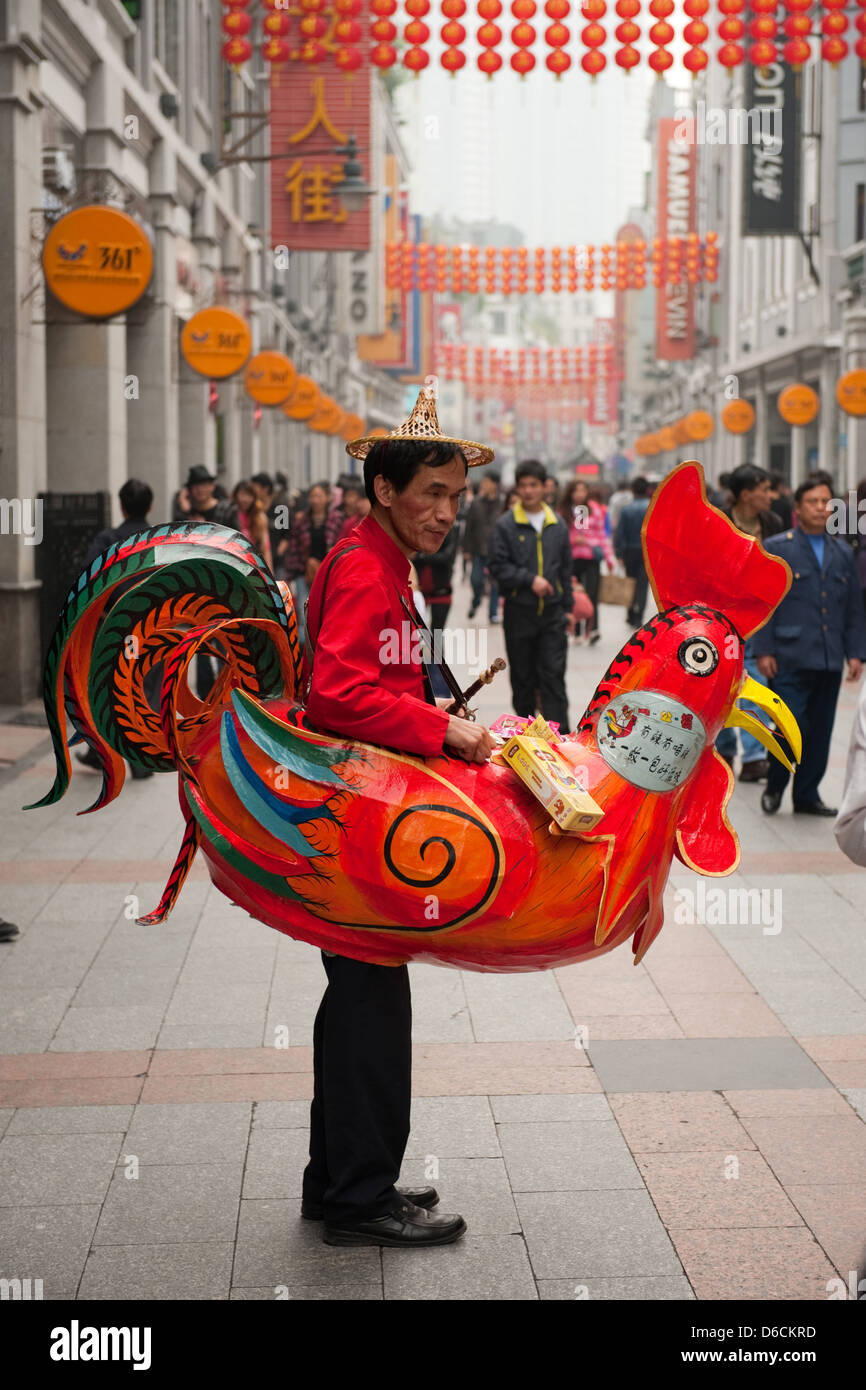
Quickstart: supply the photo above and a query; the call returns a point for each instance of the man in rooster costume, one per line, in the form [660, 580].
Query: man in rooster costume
[343, 822]
[361, 598]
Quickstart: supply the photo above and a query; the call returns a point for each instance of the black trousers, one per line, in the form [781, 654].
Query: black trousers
[636, 570]
[362, 1066]
[588, 573]
[537, 645]
[811, 697]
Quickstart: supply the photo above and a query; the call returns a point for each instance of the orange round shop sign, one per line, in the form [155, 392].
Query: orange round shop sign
[327, 417]
[851, 392]
[667, 439]
[216, 342]
[681, 432]
[639, 446]
[738, 416]
[353, 428]
[700, 425]
[798, 404]
[304, 400]
[651, 445]
[97, 261]
[270, 378]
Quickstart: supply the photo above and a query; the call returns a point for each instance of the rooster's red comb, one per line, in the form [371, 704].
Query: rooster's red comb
[694, 554]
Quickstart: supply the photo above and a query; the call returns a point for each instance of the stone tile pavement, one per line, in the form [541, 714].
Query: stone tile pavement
[693, 1128]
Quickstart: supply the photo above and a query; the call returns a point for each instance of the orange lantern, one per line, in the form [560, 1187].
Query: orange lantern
[667, 439]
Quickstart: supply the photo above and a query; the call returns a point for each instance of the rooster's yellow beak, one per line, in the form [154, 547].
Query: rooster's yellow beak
[778, 712]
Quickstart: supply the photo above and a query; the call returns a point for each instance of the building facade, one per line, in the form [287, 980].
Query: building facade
[116, 104]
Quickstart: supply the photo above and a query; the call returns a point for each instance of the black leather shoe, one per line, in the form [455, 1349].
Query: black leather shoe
[815, 808]
[8, 930]
[755, 771]
[426, 1197]
[770, 802]
[406, 1225]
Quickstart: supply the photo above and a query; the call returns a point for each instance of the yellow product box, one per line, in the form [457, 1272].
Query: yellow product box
[552, 781]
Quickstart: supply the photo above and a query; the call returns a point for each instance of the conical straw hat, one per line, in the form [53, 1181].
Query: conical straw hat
[423, 423]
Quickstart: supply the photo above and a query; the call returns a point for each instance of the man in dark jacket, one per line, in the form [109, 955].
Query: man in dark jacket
[751, 507]
[530, 559]
[751, 491]
[627, 546]
[483, 515]
[802, 648]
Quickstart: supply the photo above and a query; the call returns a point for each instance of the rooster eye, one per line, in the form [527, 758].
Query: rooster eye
[698, 656]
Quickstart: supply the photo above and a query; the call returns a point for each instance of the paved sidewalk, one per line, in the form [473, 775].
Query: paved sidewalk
[690, 1128]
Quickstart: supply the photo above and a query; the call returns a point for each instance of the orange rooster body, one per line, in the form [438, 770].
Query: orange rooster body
[386, 857]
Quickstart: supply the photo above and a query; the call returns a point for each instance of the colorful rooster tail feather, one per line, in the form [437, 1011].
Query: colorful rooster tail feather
[118, 661]
[694, 554]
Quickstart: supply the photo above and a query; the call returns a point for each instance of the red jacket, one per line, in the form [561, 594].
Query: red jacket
[355, 689]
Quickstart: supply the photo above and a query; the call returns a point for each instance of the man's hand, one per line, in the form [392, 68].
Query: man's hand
[183, 499]
[541, 586]
[767, 667]
[443, 701]
[472, 740]
[855, 668]
[310, 569]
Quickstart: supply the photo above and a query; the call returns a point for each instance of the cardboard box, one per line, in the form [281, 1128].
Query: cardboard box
[552, 781]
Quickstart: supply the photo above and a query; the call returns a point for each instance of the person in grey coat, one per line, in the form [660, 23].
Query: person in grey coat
[530, 559]
[850, 828]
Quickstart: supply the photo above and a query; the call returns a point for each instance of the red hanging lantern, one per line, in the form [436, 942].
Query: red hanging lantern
[833, 51]
[627, 33]
[236, 23]
[593, 36]
[236, 51]
[277, 24]
[764, 28]
[523, 36]
[731, 29]
[276, 51]
[489, 36]
[383, 54]
[348, 59]
[660, 34]
[347, 31]
[557, 36]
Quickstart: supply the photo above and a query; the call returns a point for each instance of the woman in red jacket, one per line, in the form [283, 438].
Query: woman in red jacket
[590, 543]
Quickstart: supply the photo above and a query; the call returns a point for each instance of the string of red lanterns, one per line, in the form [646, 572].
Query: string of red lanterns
[773, 31]
[550, 366]
[507, 270]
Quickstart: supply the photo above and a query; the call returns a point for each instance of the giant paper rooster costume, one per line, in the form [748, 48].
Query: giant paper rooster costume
[386, 857]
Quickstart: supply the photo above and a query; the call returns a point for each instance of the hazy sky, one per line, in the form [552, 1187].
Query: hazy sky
[562, 160]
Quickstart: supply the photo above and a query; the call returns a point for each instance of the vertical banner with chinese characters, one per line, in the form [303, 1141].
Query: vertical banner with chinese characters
[311, 115]
[603, 389]
[771, 156]
[675, 197]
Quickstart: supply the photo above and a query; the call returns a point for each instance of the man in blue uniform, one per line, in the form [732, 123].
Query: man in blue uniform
[802, 649]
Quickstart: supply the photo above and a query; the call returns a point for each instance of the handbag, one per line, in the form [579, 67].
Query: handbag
[617, 589]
